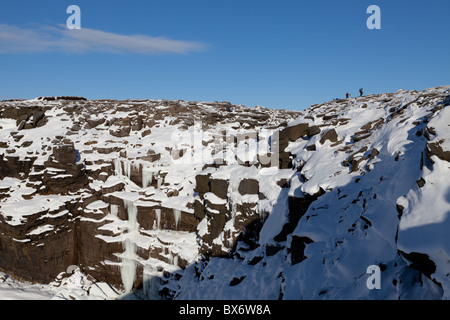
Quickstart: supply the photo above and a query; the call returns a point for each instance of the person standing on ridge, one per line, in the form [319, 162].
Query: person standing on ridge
[347, 95]
[361, 92]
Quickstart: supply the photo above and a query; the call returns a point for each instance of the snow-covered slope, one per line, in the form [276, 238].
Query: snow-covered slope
[384, 201]
[193, 200]
[69, 285]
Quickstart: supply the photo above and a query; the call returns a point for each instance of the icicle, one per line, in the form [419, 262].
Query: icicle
[132, 215]
[117, 167]
[147, 177]
[175, 260]
[158, 218]
[177, 215]
[128, 268]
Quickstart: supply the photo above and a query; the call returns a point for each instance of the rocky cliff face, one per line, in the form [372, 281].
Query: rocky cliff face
[195, 199]
[76, 172]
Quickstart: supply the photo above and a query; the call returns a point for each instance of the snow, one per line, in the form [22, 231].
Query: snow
[41, 229]
[433, 198]
[276, 220]
[158, 218]
[111, 182]
[73, 285]
[16, 209]
[99, 204]
[202, 227]
[177, 216]
[211, 197]
[147, 176]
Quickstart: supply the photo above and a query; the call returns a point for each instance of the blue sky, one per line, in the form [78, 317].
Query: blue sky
[278, 54]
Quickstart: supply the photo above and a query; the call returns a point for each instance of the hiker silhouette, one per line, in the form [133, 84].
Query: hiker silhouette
[361, 92]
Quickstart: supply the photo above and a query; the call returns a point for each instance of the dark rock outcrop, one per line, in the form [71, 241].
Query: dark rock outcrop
[248, 186]
[435, 149]
[329, 135]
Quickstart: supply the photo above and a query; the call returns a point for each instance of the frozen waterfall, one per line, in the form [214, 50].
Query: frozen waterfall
[128, 268]
[147, 177]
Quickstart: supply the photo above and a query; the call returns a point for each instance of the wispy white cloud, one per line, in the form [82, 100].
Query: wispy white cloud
[41, 38]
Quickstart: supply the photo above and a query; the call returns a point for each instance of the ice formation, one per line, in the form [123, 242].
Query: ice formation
[147, 177]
